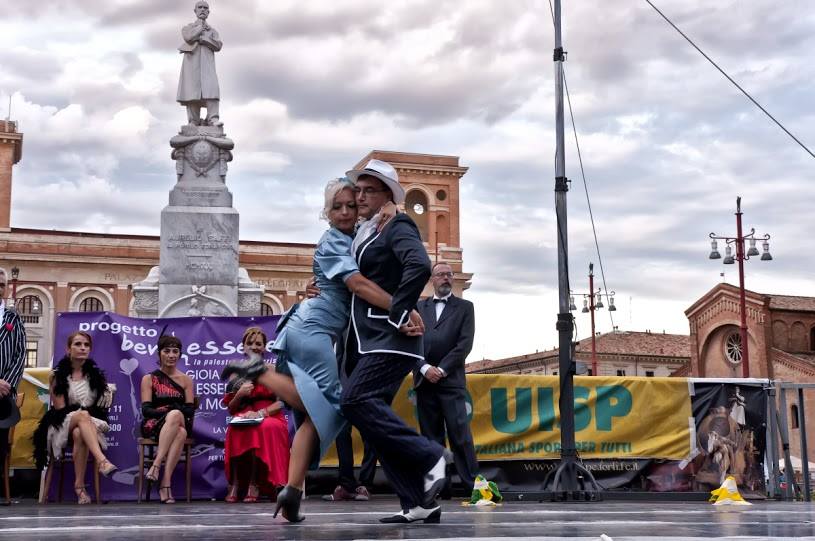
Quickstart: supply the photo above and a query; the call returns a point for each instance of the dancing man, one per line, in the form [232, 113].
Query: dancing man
[381, 355]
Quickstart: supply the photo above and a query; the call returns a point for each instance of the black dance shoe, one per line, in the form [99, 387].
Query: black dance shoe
[288, 500]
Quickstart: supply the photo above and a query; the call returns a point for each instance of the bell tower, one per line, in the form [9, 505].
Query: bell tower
[431, 185]
[11, 151]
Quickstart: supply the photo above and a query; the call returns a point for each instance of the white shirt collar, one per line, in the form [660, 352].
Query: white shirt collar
[445, 298]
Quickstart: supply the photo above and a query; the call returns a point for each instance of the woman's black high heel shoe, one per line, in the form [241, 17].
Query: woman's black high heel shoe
[288, 500]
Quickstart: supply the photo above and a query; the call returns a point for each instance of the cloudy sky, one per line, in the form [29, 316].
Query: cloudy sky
[308, 88]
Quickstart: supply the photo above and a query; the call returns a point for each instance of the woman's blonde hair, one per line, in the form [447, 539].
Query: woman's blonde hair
[334, 187]
[251, 332]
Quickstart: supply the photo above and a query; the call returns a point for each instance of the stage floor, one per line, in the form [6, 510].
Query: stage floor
[621, 521]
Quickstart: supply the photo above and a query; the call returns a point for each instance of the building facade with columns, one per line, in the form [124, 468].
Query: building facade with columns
[63, 271]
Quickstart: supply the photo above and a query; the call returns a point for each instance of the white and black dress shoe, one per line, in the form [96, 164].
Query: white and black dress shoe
[430, 515]
[435, 480]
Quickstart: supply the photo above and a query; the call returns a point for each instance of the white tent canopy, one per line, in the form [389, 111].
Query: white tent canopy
[796, 464]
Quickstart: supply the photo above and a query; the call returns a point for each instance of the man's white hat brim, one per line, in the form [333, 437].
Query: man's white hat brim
[396, 189]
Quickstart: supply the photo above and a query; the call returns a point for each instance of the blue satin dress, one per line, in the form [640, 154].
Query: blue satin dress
[305, 346]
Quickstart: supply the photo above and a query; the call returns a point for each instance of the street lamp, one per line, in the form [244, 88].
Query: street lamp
[741, 256]
[593, 301]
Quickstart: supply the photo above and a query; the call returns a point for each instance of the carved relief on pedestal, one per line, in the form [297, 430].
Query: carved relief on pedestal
[249, 302]
[201, 148]
[145, 301]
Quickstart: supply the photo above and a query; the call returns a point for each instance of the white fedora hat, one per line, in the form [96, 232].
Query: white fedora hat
[384, 172]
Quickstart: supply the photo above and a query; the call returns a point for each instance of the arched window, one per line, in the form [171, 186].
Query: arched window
[443, 230]
[266, 309]
[91, 304]
[30, 309]
[417, 208]
[794, 416]
[812, 339]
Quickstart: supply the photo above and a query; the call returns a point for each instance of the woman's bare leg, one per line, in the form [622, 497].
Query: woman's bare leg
[174, 454]
[80, 458]
[172, 422]
[81, 419]
[283, 387]
[301, 453]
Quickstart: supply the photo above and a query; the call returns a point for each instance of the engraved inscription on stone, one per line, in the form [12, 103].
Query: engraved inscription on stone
[282, 284]
[199, 241]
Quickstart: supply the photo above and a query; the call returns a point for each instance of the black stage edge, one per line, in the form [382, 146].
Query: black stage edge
[546, 496]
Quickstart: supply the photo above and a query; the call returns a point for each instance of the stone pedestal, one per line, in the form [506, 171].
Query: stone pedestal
[198, 274]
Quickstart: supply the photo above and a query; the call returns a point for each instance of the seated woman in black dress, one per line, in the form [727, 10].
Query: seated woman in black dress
[167, 411]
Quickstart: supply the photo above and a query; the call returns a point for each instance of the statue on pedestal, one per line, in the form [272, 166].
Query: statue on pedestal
[198, 84]
[199, 274]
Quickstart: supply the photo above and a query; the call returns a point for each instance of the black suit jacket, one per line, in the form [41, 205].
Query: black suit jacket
[396, 261]
[448, 341]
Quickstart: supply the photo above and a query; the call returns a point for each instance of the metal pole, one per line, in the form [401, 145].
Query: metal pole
[565, 479]
[772, 442]
[568, 451]
[591, 309]
[745, 357]
[785, 444]
[804, 452]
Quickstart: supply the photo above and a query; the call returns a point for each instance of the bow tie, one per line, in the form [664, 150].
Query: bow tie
[444, 301]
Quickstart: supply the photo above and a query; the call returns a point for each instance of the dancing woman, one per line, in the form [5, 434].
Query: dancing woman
[306, 377]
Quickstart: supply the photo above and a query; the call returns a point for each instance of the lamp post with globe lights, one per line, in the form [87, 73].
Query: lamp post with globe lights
[593, 301]
[741, 256]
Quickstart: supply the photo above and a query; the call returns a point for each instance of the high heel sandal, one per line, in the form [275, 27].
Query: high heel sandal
[152, 473]
[106, 468]
[252, 494]
[231, 494]
[288, 500]
[169, 498]
[82, 497]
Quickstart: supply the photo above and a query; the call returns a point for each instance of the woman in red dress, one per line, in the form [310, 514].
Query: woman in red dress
[255, 455]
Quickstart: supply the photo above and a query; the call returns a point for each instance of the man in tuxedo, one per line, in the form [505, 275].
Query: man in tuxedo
[440, 378]
[382, 355]
[12, 356]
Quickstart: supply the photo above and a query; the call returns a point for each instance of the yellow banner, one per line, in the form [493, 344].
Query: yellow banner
[35, 386]
[515, 417]
[512, 417]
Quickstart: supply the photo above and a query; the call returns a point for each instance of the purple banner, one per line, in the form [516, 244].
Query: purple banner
[125, 348]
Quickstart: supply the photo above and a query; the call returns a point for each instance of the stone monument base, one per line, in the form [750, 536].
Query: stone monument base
[189, 301]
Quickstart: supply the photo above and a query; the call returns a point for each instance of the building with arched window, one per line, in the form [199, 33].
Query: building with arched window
[781, 343]
[61, 271]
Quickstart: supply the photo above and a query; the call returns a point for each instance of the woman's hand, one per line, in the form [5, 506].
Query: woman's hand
[311, 288]
[244, 390]
[386, 214]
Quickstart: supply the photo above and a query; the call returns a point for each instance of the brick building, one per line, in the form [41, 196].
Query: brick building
[63, 271]
[781, 344]
[781, 334]
[619, 353]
